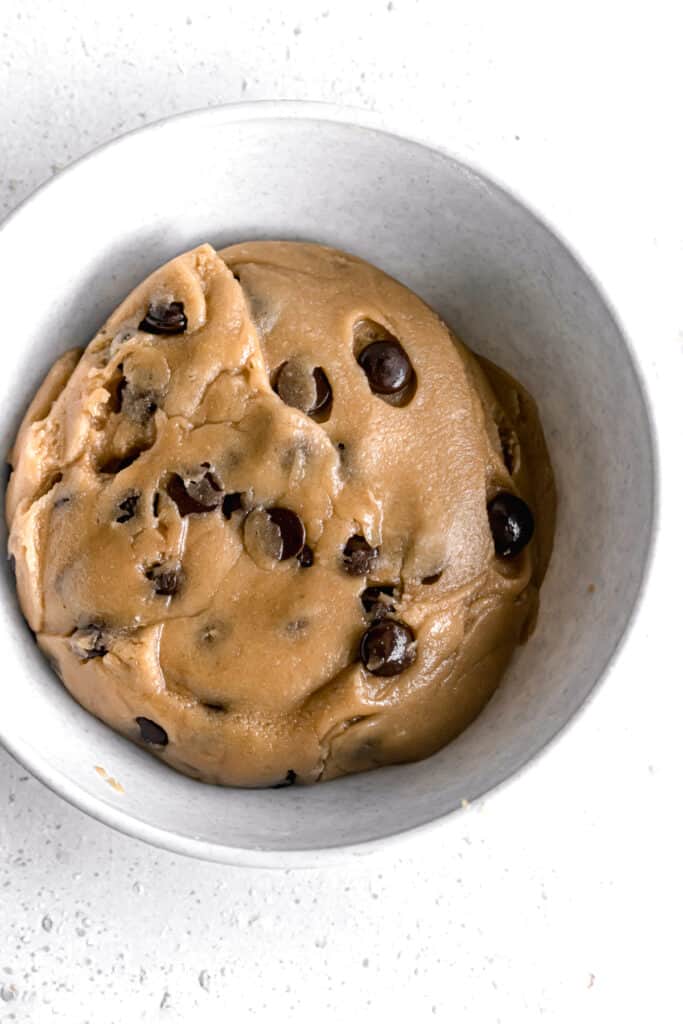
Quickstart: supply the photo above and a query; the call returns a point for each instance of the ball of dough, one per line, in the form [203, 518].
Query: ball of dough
[252, 521]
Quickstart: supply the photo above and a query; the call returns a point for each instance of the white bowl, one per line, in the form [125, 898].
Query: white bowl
[494, 271]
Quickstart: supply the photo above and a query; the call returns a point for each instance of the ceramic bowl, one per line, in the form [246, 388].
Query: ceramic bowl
[507, 284]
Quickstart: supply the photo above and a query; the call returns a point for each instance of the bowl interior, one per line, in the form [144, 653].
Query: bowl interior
[505, 283]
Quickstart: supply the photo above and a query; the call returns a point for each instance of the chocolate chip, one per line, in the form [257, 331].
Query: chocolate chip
[296, 627]
[387, 647]
[150, 732]
[213, 633]
[232, 503]
[166, 579]
[511, 522]
[164, 318]
[128, 507]
[292, 530]
[306, 557]
[386, 366]
[359, 557]
[290, 779]
[89, 642]
[194, 496]
[139, 406]
[303, 388]
[377, 601]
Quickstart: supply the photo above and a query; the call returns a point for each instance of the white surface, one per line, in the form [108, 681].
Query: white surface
[559, 898]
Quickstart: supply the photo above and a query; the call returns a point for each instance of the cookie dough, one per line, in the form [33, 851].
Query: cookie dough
[276, 523]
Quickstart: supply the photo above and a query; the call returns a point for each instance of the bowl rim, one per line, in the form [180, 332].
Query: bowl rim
[355, 117]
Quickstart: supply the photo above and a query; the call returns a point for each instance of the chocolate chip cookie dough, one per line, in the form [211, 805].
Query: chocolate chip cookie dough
[276, 523]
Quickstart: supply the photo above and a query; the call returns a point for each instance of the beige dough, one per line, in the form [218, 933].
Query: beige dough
[248, 664]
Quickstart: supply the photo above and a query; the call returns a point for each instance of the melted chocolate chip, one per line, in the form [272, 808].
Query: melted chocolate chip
[306, 557]
[359, 557]
[292, 530]
[377, 601]
[150, 732]
[194, 496]
[290, 779]
[89, 642]
[511, 522]
[232, 503]
[128, 507]
[304, 389]
[386, 366]
[164, 318]
[387, 647]
[166, 579]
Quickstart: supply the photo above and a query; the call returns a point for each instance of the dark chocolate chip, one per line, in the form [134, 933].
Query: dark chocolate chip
[290, 779]
[128, 507]
[296, 627]
[164, 318]
[213, 633]
[194, 496]
[306, 557]
[292, 530]
[304, 389]
[511, 522]
[139, 406]
[166, 579]
[386, 366]
[150, 732]
[89, 642]
[387, 647]
[376, 601]
[359, 557]
[232, 503]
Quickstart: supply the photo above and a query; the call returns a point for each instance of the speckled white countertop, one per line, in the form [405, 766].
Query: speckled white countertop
[559, 898]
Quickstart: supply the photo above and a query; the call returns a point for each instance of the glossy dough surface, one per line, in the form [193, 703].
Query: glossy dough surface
[153, 575]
